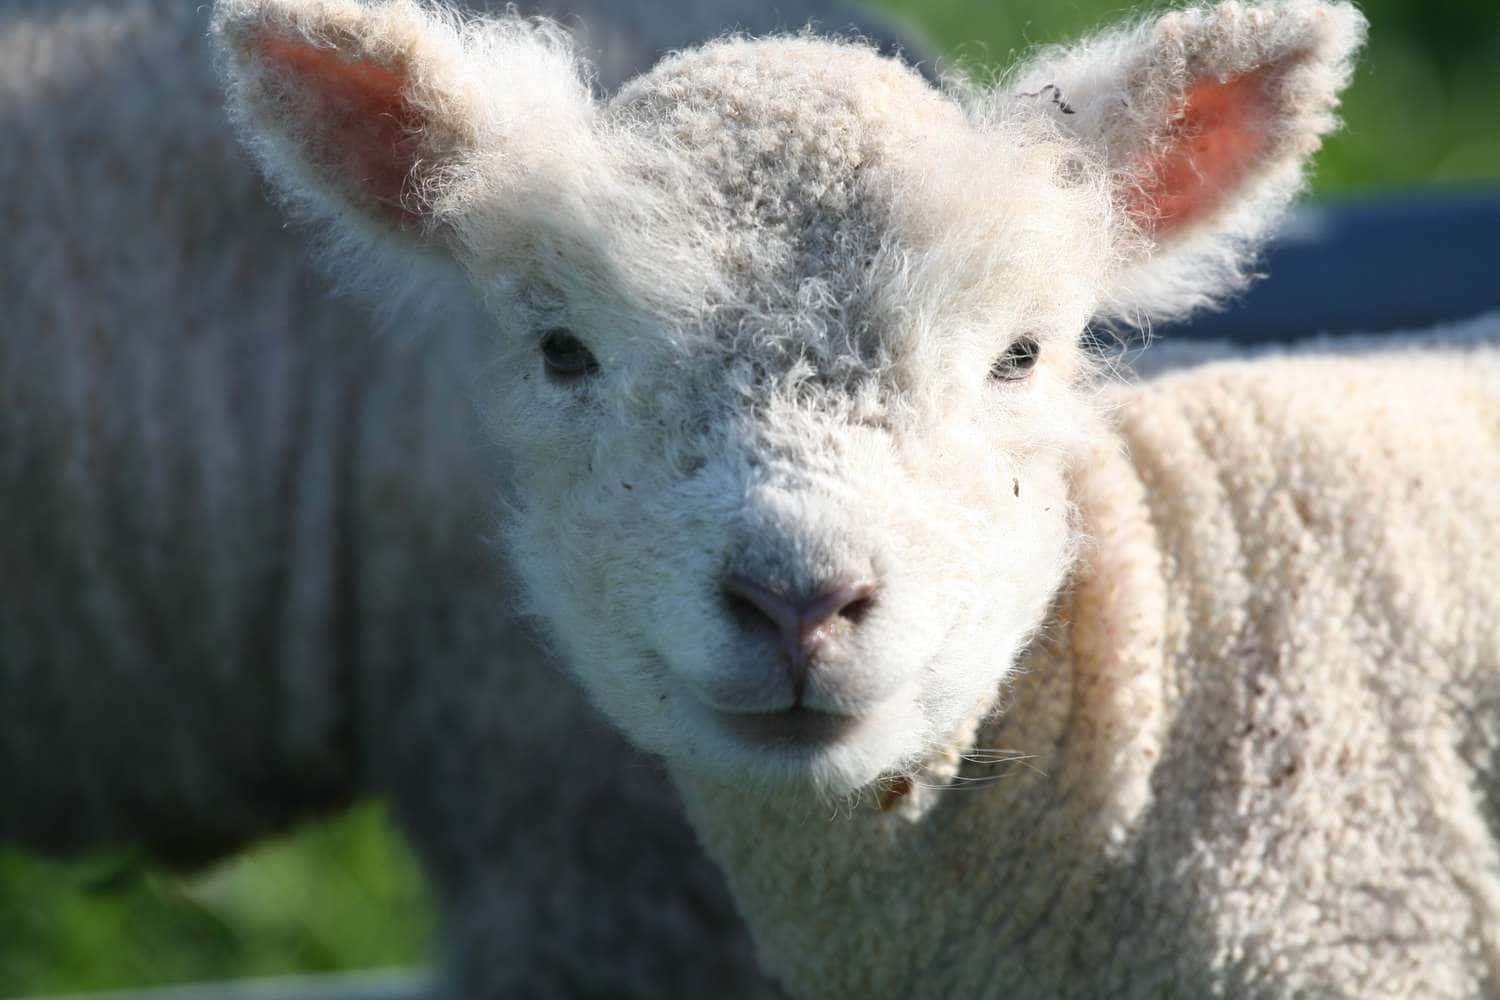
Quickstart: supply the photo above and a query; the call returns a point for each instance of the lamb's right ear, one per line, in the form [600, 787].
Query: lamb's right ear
[370, 115]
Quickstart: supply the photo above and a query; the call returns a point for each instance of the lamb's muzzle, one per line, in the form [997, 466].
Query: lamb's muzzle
[806, 626]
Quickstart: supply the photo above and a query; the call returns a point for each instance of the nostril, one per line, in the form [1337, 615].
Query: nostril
[856, 610]
[753, 606]
[849, 604]
[803, 625]
[746, 613]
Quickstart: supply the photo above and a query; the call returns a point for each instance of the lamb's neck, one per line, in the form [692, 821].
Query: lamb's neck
[1052, 782]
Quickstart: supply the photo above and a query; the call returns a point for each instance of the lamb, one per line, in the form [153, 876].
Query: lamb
[978, 675]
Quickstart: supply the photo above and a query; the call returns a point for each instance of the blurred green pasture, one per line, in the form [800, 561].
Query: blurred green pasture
[340, 894]
[1424, 109]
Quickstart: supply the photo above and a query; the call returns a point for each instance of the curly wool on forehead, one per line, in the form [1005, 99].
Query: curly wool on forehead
[776, 136]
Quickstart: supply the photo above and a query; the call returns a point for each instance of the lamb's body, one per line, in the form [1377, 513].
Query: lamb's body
[1258, 731]
[183, 408]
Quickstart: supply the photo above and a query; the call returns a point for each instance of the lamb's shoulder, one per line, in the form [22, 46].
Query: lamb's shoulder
[1331, 651]
[1356, 489]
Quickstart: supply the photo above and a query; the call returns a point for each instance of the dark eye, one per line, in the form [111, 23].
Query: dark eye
[565, 355]
[1017, 361]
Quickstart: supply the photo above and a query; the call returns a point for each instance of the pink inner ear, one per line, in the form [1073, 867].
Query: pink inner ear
[359, 125]
[1218, 139]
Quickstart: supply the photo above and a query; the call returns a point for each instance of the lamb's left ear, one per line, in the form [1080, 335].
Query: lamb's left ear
[1204, 118]
[369, 114]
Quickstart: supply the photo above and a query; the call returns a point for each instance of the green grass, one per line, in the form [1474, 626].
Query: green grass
[1424, 108]
[340, 894]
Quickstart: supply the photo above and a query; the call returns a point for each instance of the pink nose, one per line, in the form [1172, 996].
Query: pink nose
[803, 626]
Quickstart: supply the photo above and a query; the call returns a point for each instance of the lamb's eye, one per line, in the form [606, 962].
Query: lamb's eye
[565, 355]
[1017, 361]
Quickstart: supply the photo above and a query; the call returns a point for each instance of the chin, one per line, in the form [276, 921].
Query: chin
[801, 750]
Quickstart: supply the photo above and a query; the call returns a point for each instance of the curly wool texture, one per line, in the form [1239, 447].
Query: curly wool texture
[1253, 750]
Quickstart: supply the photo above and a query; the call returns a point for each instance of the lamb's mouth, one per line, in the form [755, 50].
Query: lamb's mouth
[794, 728]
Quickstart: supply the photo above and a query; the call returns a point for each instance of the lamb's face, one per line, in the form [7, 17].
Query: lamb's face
[789, 457]
[787, 374]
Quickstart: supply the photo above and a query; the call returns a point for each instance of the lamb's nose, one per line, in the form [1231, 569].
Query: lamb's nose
[803, 625]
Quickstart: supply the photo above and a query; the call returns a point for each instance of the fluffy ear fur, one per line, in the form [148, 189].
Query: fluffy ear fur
[1204, 119]
[371, 115]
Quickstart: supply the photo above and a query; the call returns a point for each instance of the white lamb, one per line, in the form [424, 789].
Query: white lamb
[808, 477]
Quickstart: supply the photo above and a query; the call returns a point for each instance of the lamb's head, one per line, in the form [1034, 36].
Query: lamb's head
[788, 366]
